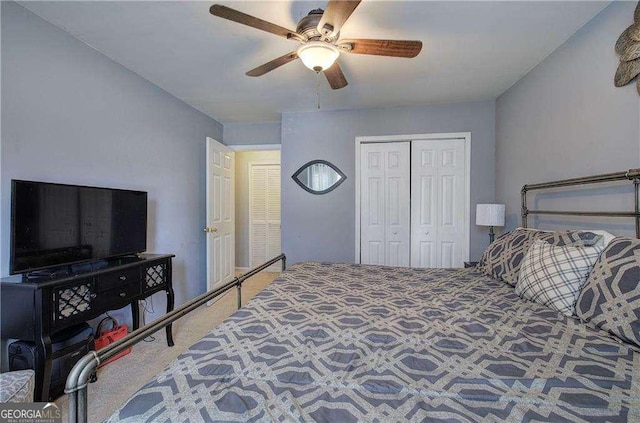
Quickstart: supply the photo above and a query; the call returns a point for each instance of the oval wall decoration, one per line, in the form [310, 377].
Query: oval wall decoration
[319, 177]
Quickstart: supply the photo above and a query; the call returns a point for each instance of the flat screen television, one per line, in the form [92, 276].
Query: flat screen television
[54, 225]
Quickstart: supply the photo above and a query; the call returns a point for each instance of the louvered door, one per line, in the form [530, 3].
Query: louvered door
[264, 213]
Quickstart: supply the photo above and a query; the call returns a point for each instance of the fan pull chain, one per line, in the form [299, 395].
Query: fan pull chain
[318, 88]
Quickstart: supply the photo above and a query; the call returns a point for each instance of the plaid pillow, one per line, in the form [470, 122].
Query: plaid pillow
[610, 299]
[553, 276]
[502, 259]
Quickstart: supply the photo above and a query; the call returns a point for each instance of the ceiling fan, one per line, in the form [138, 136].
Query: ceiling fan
[318, 33]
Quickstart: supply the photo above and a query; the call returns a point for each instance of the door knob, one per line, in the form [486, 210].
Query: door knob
[213, 229]
[210, 229]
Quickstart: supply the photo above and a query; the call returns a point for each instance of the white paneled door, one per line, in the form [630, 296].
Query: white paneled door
[385, 214]
[413, 203]
[220, 229]
[264, 214]
[438, 203]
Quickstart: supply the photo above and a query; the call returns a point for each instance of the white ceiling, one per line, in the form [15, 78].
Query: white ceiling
[471, 50]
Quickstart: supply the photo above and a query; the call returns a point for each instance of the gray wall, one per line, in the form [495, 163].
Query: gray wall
[252, 133]
[322, 227]
[72, 115]
[566, 119]
[243, 158]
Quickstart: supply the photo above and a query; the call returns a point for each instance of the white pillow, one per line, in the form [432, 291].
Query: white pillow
[553, 276]
[606, 236]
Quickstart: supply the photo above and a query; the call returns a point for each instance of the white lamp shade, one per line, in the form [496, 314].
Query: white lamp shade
[318, 55]
[490, 214]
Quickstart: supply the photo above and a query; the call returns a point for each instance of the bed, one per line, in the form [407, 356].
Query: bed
[343, 342]
[545, 328]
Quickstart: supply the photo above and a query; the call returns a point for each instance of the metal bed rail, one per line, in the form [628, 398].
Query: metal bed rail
[77, 382]
[630, 175]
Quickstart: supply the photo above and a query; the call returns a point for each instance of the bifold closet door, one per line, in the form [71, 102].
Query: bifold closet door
[264, 214]
[384, 204]
[438, 203]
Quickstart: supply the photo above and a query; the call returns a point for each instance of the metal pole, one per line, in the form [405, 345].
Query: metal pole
[83, 401]
[76, 386]
[636, 185]
[73, 407]
[631, 174]
[523, 209]
[261, 267]
[608, 177]
[586, 213]
[239, 286]
[83, 395]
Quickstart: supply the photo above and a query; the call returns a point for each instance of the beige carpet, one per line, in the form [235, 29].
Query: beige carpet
[117, 381]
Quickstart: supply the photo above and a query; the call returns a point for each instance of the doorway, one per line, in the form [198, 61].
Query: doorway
[257, 204]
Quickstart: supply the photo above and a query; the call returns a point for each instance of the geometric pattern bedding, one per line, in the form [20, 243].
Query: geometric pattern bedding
[503, 258]
[610, 299]
[344, 342]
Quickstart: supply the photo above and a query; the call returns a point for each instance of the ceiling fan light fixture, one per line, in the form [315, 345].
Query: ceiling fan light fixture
[318, 55]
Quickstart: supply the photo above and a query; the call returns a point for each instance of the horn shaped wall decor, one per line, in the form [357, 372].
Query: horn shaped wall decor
[628, 47]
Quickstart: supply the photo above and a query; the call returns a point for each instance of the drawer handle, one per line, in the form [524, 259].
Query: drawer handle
[123, 294]
[93, 295]
[123, 278]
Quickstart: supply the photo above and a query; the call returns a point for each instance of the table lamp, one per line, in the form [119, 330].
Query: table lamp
[490, 215]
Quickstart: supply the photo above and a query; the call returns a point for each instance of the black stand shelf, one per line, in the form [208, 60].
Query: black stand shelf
[33, 311]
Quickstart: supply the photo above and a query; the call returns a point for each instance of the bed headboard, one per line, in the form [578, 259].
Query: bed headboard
[632, 175]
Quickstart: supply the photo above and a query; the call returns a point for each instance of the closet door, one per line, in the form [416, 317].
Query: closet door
[384, 204]
[424, 190]
[264, 214]
[438, 202]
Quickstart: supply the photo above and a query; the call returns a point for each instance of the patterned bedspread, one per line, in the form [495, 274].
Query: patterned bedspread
[342, 342]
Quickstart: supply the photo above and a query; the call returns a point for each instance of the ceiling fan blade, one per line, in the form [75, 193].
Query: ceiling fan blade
[242, 18]
[336, 77]
[275, 63]
[335, 15]
[393, 48]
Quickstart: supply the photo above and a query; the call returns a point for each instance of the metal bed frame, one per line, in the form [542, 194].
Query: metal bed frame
[78, 379]
[630, 175]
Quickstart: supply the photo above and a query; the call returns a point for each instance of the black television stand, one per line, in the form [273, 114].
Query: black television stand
[78, 269]
[46, 275]
[33, 311]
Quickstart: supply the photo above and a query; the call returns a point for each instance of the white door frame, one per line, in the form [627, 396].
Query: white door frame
[250, 165]
[466, 136]
[255, 147]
